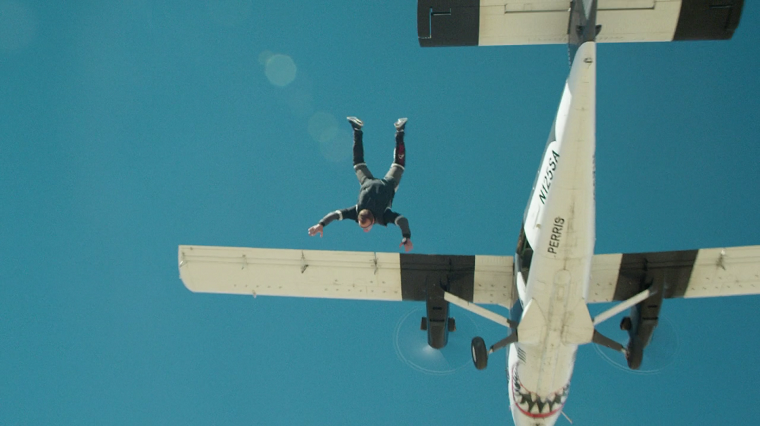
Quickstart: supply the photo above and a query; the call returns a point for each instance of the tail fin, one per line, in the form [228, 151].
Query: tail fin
[581, 26]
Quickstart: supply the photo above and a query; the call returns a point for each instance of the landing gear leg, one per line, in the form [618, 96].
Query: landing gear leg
[605, 341]
[512, 338]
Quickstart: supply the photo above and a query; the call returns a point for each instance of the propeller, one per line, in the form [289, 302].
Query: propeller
[412, 347]
[658, 355]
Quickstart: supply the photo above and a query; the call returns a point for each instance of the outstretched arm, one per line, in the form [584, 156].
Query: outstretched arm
[403, 224]
[349, 213]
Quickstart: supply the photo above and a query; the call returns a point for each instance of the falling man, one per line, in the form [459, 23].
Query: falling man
[375, 195]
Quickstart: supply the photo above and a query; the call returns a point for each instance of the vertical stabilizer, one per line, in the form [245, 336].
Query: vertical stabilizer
[581, 26]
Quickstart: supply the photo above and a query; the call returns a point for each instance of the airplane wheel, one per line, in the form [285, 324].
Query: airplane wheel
[625, 324]
[423, 324]
[479, 353]
[452, 325]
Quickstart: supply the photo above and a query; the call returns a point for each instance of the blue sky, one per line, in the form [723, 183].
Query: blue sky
[126, 130]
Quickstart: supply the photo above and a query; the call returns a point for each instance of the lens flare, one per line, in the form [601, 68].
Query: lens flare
[280, 69]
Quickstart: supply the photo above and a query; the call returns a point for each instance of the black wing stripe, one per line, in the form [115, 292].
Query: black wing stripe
[708, 19]
[638, 270]
[457, 273]
[448, 22]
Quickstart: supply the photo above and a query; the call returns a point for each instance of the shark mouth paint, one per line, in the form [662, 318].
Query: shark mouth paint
[533, 405]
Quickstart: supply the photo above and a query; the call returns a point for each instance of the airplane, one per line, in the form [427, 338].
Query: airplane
[554, 275]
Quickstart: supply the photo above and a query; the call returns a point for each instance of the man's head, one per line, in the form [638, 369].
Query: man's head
[366, 219]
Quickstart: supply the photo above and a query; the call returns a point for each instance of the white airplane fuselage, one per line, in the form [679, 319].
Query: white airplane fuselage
[559, 226]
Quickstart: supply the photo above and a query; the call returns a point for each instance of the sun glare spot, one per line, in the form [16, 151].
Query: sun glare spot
[280, 69]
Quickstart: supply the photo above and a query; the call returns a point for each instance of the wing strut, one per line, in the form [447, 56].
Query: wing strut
[609, 313]
[485, 313]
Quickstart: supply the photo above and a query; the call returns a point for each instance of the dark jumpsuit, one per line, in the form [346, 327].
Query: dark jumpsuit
[376, 195]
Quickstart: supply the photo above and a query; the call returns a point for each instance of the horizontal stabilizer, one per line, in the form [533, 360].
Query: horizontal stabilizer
[344, 274]
[502, 22]
[732, 271]
[532, 324]
[578, 328]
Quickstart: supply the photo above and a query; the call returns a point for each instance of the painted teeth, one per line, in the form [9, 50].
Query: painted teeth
[532, 403]
[535, 405]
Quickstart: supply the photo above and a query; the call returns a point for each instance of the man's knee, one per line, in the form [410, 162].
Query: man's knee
[394, 175]
[362, 173]
[397, 170]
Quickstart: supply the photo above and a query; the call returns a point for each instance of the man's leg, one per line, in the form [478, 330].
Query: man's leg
[399, 154]
[360, 167]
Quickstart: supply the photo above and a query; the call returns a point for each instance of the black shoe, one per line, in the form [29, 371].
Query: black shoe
[356, 124]
[400, 124]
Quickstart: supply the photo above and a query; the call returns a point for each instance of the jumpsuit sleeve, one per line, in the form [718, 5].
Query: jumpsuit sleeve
[348, 213]
[399, 220]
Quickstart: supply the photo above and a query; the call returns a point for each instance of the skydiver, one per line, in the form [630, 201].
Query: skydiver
[375, 195]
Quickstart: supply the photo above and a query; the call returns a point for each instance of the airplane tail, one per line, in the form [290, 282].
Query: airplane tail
[582, 27]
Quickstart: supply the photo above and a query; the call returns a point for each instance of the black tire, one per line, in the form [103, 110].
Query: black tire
[479, 353]
[423, 324]
[625, 324]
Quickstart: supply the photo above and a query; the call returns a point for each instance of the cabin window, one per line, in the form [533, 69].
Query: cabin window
[524, 254]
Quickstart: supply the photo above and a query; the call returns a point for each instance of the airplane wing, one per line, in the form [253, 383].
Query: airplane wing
[732, 271]
[501, 22]
[344, 274]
